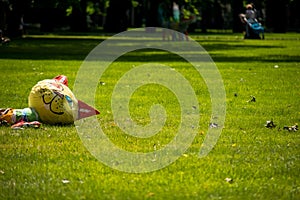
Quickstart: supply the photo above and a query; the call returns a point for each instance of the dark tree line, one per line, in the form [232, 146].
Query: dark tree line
[118, 15]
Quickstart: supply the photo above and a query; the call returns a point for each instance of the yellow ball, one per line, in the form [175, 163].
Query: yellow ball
[54, 102]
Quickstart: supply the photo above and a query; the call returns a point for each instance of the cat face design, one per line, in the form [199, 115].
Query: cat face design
[54, 102]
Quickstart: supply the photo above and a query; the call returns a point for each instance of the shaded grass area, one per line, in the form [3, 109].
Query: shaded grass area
[52, 163]
[237, 49]
[49, 49]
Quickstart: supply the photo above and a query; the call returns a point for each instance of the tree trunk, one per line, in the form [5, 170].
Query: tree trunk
[276, 11]
[117, 15]
[3, 13]
[78, 17]
[237, 8]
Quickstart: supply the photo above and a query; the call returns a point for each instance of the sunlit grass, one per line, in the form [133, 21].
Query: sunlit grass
[52, 163]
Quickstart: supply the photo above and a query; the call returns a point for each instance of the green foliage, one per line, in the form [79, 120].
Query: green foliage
[249, 161]
[189, 10]
[90, 8]
[135, 3]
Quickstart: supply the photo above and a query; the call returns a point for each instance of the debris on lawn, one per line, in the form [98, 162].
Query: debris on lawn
[252, 99]
[3, 122]
[229, 180]
[51, 102]
[65, 181]
[291, 128]
[213, 125]
[23, 124]
[276, 66]
[270, 124]
[19, 118]
[102, 83]
[185, 155]
[201, 132]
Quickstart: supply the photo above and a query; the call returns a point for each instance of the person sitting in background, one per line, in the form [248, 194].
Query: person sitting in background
[248, 18]
[250, 14]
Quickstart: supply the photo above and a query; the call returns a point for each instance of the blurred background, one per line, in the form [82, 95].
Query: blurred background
[18, 17]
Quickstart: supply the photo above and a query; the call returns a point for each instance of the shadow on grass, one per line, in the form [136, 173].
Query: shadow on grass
[48, 49]
[216, 45]
[79, 48]
[269, 58]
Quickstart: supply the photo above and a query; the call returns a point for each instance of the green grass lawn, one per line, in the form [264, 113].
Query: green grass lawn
[52, 163]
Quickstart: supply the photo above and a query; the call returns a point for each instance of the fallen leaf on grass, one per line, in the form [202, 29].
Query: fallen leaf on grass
[201, 132]
[270, 124]
[102, 83]
[65, 181]
[150, 194]
[291, 128]
[229, 180]
[213, 125]
[252, 99]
